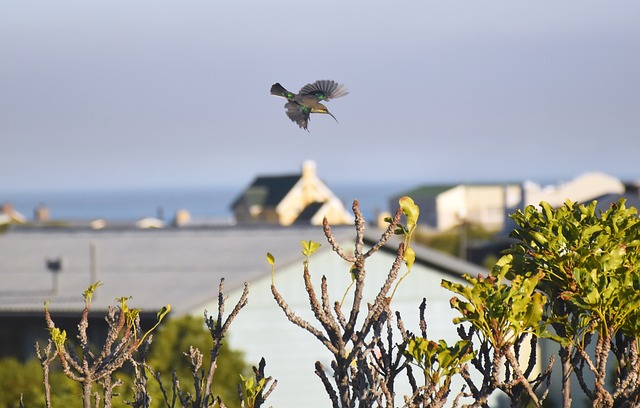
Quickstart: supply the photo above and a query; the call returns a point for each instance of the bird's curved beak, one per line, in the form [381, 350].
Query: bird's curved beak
[334, 118]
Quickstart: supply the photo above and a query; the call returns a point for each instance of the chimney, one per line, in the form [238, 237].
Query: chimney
[41, 213]
[309, 169]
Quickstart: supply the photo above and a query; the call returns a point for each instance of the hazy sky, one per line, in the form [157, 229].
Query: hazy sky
[163, 93]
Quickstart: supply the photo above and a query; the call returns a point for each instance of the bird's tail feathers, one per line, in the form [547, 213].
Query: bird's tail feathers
[279, 90]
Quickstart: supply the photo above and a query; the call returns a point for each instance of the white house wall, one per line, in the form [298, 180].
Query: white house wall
[487, 205]
[452, 207]
[478, 204]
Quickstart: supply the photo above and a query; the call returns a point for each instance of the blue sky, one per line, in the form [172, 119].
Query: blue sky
[169, 93]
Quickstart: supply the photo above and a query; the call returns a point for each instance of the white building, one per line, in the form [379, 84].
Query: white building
[483, 204]
[583, 188]
[443, 207]
[446, 206]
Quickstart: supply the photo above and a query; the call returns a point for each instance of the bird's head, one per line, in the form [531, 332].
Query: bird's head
[320, 108]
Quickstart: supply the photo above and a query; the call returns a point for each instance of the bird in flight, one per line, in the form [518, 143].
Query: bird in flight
[299, 106]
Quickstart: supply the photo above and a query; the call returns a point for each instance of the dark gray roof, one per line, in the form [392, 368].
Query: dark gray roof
[176, 266]
[428, 191]
[309, 211]
[445, 263]
[267, 191]
[155, 267]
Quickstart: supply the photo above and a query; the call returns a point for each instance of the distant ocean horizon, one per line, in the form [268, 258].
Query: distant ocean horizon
[200, 202]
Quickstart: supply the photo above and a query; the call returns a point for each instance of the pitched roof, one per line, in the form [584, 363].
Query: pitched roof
[267, 191]
[182, 267]
[307, 214]
[445, 263]
[428, 191]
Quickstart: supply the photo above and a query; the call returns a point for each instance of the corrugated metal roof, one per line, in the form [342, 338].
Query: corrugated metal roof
[182, 267]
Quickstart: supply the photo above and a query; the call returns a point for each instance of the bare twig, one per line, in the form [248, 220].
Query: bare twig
[218, 329]
[46, 358]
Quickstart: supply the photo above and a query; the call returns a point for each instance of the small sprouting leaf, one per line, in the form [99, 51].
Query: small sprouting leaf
[58, 337]
[401, 230]
[131, 315]
[123, 303]
[163, 312]
[409, 257]
[309, 247]
[270, 259]
[159, 316]
[88, 294]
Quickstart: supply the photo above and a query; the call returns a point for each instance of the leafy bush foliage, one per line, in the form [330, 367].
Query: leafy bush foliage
[20, 380]
[589, 265]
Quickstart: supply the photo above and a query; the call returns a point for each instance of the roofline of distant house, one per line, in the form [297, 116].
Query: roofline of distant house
[98, 313]
[449, 265]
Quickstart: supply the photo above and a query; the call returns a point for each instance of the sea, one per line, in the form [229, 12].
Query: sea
[202, 203]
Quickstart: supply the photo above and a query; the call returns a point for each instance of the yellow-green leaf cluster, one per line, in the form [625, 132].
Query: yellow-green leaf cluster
[250, 389]
[88, 293]
[438, 361]
[500, 311]
[309, 247]
[59, 337]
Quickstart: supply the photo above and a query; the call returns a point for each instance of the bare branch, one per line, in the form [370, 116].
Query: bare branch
[334, 245]
[386, 234]
[327, 384]
[218, 331]
[513, 362]
[300, 322]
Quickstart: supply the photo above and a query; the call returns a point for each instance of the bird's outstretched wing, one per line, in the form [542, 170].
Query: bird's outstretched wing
[298, 114]
[324, 89]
